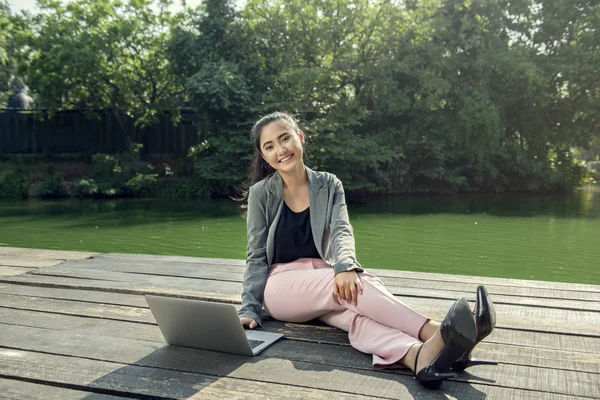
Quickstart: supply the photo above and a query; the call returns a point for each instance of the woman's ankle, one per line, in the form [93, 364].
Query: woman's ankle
[410, 357]
[428, 330]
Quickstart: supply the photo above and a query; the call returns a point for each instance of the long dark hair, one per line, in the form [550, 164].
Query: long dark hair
[259, 168]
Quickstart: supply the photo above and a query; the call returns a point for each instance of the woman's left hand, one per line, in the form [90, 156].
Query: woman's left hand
[347, 285]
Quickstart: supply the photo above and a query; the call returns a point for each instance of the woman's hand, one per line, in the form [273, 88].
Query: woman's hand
[249, 322]
[347, 285]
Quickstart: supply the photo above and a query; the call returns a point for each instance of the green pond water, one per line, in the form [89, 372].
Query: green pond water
[554, 238]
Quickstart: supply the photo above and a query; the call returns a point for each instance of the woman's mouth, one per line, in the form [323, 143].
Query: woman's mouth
[286, 158]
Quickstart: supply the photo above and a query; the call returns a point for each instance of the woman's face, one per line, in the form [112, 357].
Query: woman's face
[281, 146]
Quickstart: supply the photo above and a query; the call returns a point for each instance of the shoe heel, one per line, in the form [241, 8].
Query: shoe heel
[472, 363]
[459, 326]
[485, 314]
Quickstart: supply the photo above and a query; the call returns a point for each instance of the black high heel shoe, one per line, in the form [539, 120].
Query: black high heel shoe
[485, 319]
[459, 333]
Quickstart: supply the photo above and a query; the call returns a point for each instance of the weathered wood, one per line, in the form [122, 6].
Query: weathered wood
[12, 271]
[422, 286]
[239, 389]
[448, 291]
[541, 340]
[509, 316]
[133, 287]
[308, 332]
[69, 307]
[578, 358]
[10, 261]
[74, 294]
[178, 383]
[476, 280]
[91, 311]
[303, 355]
[21, 252]
[114, 378]
[11, 389]
[78, 325]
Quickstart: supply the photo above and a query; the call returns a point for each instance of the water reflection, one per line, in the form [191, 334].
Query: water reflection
[582, 204]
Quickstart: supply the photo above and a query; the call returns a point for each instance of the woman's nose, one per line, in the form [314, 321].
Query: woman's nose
[281, 150]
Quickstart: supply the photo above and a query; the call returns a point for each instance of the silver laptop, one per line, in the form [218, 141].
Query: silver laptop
[206, 325]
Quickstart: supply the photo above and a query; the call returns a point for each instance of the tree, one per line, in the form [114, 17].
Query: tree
[12, 29]
[105, 54]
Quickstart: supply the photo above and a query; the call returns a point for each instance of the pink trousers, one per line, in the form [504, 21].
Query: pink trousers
[379, 324]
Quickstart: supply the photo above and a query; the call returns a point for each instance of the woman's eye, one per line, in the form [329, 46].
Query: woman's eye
[285, 139]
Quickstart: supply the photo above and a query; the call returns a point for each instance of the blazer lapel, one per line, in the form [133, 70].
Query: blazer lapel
[317, 199]
[274, 207]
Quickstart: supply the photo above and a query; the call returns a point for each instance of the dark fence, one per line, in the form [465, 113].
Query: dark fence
[79, 131]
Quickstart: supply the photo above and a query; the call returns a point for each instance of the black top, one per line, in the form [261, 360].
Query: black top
[293, 237]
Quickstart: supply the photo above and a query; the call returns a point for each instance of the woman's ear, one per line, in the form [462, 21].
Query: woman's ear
[301, 135]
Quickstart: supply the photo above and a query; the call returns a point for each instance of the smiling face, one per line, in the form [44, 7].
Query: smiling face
[281, 146]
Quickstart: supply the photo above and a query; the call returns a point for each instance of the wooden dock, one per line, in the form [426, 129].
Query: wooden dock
[76, 326]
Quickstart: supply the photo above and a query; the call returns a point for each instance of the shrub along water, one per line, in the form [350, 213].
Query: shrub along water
[103, 176]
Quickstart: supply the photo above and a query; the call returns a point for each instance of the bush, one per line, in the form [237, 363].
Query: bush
[50, 187]
[84, 187]
[13, 185]
[141, 185]
[186, 189]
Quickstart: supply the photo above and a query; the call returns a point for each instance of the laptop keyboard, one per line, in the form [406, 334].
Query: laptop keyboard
[255, 343]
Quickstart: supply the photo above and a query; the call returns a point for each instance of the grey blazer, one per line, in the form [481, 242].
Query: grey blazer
[331, 229]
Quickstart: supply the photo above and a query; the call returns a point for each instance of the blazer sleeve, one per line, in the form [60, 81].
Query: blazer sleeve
[255, 275]
[342, 234]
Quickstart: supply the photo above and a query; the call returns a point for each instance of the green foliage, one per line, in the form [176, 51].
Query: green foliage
[182, 188]
[85, 188]
[50, 187]
[13, 28]
[437, 95]
[140, 183]
[13, 185]
[103, 54]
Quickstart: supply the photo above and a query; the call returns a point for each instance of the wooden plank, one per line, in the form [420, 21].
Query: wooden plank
[157, 286]
[78, 325]
[284, 362]
[69, 307]
[190, 259]
[74, 294]
[18, 390]
[10, 261]
[249, 391]
[579, 358]
[405, 275]
[51, 292]
[236, 389]
[164, 383]
[540, 319]
[231, 286]
[23, 252]
[120, 379]
[552, 320]
[500, 336]
[449, 278]
[322, 334]
[207, 271]
[239, 389]
[12, 271]
[413, 287]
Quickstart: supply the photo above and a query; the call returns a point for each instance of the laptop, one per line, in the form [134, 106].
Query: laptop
[207, 326]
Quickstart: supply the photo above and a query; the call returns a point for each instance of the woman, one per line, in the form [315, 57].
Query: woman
[302, 265]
